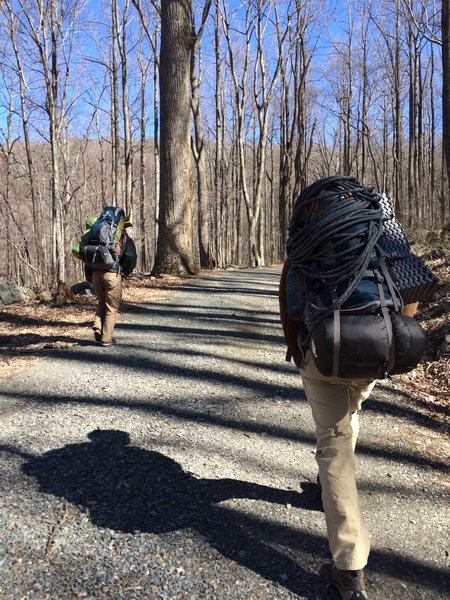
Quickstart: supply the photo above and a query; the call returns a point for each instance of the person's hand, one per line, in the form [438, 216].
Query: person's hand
[410, 309]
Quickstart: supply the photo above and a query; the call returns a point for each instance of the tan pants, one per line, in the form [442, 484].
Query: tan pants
[334, 403]
[108, 287]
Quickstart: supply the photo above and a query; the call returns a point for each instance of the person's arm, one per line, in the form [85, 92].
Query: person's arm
[128, 259]
[410, 309]
[291, 328]
[88, 273]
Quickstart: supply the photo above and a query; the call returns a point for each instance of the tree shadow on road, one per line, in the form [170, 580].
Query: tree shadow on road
[129, 489]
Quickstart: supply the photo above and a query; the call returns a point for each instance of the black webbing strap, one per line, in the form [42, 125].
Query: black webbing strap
[336, 341]
[387, 320]
[396, 297]
[336, 337]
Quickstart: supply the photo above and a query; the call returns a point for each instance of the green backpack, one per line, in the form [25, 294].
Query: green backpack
[76, 248]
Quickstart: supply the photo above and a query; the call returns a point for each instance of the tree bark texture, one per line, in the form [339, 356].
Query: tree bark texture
[174, 253]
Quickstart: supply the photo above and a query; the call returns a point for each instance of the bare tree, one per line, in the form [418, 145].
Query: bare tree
[127, 141]
[219, 141]
[175, 237]
[445, 28]
[257, 17]
[296, 140]
[149, 228]
[199, 151]
[424, 19]
[18, 69]
[52, 43]
[144, 250]
[115, 105]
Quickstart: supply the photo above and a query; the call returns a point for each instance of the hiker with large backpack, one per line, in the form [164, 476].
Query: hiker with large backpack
[348, 293]
[109, 254]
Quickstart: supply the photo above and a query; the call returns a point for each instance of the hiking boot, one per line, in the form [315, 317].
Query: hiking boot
[349, 584]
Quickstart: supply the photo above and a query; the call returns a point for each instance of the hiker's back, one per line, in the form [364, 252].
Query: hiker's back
[340, 286]
[102, 248]
[342, 302]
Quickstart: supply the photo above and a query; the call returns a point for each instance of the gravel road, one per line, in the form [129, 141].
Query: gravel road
[179, 464]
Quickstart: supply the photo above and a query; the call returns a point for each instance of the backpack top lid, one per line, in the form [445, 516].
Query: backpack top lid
[335, 225]
[113, 216]
[334, 198]
[108, 227]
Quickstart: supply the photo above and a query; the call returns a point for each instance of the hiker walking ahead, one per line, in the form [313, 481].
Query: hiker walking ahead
[341, 313]
[109, 253]
[108, 287]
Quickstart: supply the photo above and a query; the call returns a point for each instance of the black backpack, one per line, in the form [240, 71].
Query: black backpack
[339, 285]
[101, 249]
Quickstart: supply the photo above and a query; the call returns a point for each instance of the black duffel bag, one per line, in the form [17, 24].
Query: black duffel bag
[360, 346]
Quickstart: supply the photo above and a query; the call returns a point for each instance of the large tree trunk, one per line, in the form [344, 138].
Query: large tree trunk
[174, 251]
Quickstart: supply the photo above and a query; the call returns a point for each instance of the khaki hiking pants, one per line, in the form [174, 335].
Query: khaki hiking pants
[108, 287]
[334, 403]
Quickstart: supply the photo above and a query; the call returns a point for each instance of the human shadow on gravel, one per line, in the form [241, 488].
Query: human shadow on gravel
[128, 489]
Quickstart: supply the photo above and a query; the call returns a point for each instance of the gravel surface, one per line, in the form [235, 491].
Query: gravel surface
[179, 463]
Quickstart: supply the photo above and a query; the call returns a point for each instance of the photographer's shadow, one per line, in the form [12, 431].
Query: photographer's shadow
[129, 489]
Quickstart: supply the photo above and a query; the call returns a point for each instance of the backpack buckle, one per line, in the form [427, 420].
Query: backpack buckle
[379, 277]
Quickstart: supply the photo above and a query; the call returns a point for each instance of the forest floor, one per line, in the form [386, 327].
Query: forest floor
[30, 329]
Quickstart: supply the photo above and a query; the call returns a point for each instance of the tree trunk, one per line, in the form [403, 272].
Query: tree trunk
[156, 153]
[199, 150]
[398, 153]
[39, 239]
[219, 144]
[174, 253]
[143, 253]
[446, 82]
[54, 128]
[127, 201]
[115, 113]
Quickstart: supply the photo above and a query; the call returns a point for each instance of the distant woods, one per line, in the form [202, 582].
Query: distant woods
[205, 120]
